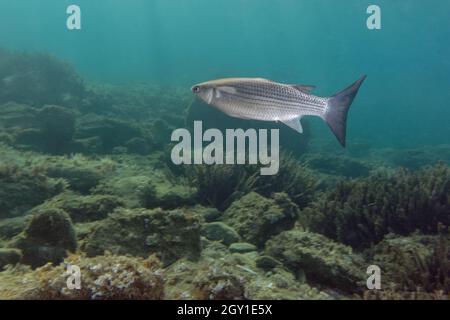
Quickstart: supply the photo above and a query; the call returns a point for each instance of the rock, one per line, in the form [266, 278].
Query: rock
[107, 277]
[211, 214]
[138, 145]
[220, 274]
[242, 247]
[38, 79]
[9, 256]
[57, 125]
[22, 188]
[322, 260]
[84, 208]
[91, 145]
[149, 192]
[81, 175]
[49, 129]
[47, 238]
[219, 231]
[161, 132]
[416, 263]
[135, 190]
[207, 214]
[267, 262]
[11, 227]
[257, 218]
[112, 132]
[159, 192]
[14, 115]
[170, 235]
[30, 139]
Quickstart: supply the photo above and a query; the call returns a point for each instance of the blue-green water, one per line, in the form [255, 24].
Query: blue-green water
[87, 171]
[322, 42]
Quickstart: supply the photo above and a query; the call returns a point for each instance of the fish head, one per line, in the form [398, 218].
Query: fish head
[204, 91]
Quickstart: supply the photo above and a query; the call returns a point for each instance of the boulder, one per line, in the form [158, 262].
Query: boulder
[257, 218]
[47, 238]
[322, 261]
[219, 231]
[170, 235]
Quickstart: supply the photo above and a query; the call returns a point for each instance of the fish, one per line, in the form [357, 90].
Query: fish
[267, 100]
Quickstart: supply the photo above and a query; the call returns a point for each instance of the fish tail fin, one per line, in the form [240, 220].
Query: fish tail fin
[337, 109]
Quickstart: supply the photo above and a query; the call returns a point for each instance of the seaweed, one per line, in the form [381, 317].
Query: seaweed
[220, 185]
[361, 212]
[414, 267]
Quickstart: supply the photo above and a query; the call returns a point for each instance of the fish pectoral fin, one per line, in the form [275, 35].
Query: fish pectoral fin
[209, 96]
[303, 87]
[294, 124]
[226, 89]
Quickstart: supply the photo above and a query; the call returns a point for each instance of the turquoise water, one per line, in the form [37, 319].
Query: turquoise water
[404, 101]
[88, 176]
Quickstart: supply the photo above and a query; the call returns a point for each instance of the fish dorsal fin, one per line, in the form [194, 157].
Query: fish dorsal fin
[294, 124]
[303, 87]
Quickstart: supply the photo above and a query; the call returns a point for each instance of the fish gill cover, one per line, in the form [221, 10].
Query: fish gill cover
[91, 94]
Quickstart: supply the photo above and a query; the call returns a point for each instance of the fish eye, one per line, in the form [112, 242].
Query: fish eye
[195, 89]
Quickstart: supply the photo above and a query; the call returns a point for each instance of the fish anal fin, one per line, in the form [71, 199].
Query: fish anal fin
[303, 87]
[294, 124]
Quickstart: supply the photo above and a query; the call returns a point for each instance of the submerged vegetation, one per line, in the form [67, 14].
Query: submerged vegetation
[361, 212]
[86, 179]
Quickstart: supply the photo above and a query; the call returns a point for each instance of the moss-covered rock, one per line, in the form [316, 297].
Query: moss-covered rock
[417, 264]
[11, 227]
[257, 218]
[111, 131]
[106, 277]
[47, 238]
[138, 145]
[23, 187]
[15, 116]
[210, 214]
[320, 259]
[267, 262]
[57, 125]
[82, 173]
[9, 256]
[221, 275]
[38, 79]
[83, 208]
[242, 247]
[219, 231]
[48, 129]
[148, 191]
[139, 232]
[80, 179]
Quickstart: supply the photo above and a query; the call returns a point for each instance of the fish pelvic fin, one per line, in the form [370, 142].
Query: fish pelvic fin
[294, 124]
[337, 110]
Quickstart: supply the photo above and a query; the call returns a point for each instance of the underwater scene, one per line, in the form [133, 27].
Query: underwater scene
[237, 150]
